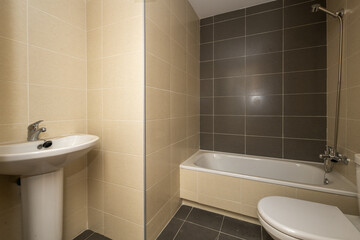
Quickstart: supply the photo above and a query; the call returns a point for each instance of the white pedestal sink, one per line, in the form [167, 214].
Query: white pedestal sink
[41, 174]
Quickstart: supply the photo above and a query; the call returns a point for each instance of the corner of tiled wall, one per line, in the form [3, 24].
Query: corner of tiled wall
[172, 104]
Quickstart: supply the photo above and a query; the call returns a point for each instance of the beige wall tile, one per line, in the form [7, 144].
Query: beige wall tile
[10, 133]
[74, 224]
[11, 190]
[116, 197]
[178, 31]
[123, 136]
[158, 165]
[188, 180]
[193, 106]
[115, 42]
[257, 190]
[49, 32]
[125, 170]
[353, 38]
[177, 105]
[193, 144]
[96, 220]
[353, 135]
[125, 70]
[157, 135]
[159, 14]
[94, 74]
[60, 128]
[157, 42]
[123, 104]
[157, 196]
[218, 186]
[193, 85]
[13, 19]
[178, 8]
[157, 72]
[94, 44]
[178, 129]
[49, 68]
[75, 171]
[232, 206]
[74, 197]
[156, 225]
[51, 108]
[93, 14]
[178, 153]
[120, 229]
[96, 194]
[193, 125]
[353, 98]
[157, 104]
[13, 61]
[177, 80]
[116, 11]
[353, 70]
[13, 103]
[178, 55]
[95, 127]
[175, 183]
[12, 228]
[94, 104]
[95, 163]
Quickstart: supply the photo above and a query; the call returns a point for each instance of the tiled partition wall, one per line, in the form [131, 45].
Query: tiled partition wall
[172, 104]
[43, 76]
[263, 81]
[115, 37]
[349, 128]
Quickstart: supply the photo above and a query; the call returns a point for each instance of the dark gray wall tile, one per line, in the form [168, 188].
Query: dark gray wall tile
[229, 67]
[229, 124]
[264, 105]
[265, 7]
[305, 59]
[229, 15]
[305, 127]
[264, 84]
[305, 36]
[229, 48]
[229, 143]
[264, 146]
[307, 150]
[292, 2]
[206, 33]
[206, 105]
[206, 88]
[264, 64]
[264, 22]
[229, 29]
[206, 70]
[229, 105]
[305, 105]
[301, 14]
[264, 43]
[207, 141]
[206, 21]
[305, 82]
[264, 126]
[206, 124]
[206, 52]
[229, 86]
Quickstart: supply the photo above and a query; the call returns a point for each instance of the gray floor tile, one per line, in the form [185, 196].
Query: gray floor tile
[84, 235]
[241, 229]
[171, 229]
[183, 212]
[191, 231]
[205, 218]
[97, 236]
[227, 237]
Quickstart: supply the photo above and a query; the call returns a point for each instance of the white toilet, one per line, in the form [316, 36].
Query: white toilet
[292, 219]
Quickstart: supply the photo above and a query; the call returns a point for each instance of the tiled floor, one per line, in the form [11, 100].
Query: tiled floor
[196, 224]
[90, 235]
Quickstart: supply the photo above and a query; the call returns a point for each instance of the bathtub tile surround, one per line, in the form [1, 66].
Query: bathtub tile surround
[43, 76]
[172, 104]
[115, 93]
[263, 81]
[198, 224]
[349, 124]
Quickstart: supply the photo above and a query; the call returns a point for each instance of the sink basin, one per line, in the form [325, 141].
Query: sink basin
[26, 159]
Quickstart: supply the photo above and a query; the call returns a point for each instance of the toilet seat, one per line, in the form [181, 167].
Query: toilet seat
[293, 219]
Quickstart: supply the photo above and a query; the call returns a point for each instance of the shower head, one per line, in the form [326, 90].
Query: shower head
[315, 7]
[318, 7]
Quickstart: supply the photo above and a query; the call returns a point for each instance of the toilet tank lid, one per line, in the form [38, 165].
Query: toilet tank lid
[357, 158]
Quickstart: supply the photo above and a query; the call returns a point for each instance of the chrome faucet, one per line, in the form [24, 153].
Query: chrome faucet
[332, 156]
[34, 131]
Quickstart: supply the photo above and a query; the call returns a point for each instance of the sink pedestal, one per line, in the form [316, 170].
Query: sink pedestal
[42, 206]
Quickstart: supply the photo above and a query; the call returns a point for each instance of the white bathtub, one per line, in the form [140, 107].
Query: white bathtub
[290, 173]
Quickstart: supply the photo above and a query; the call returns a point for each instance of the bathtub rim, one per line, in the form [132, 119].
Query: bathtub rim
[190, 165]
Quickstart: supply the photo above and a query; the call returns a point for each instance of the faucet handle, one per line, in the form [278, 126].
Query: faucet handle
[35, 125]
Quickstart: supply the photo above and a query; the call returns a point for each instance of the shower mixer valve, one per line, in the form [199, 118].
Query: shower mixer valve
[333, 156]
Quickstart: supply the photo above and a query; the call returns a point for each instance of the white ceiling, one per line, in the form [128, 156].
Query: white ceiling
[208, 8]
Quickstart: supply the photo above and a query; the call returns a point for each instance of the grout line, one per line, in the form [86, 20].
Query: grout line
[27, 64]
[283, 85]
[221, 225]
[213, 92]
[183, 222]
[245, 86]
